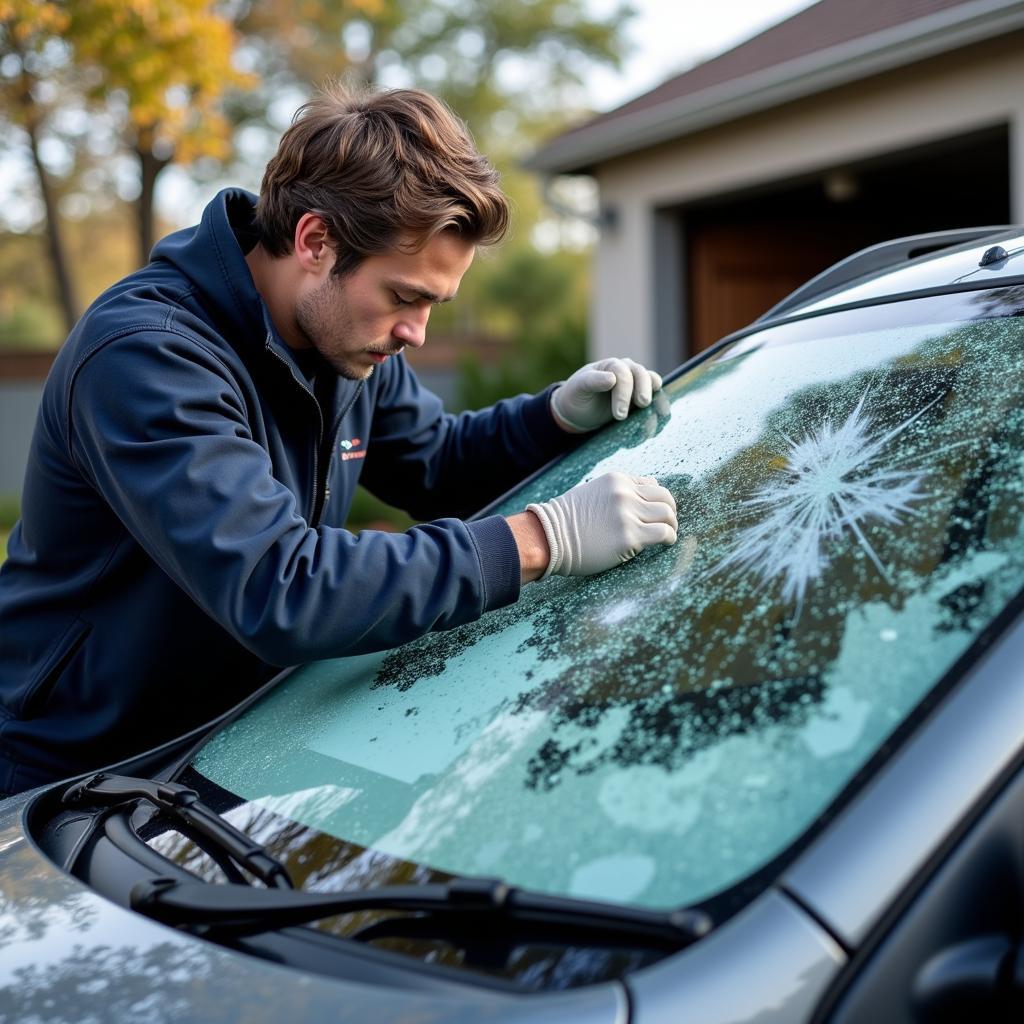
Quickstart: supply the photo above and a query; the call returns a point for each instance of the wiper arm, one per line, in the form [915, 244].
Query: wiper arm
[240, 910]
[183, 805]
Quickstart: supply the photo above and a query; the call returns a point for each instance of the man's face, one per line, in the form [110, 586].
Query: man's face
[356, 322]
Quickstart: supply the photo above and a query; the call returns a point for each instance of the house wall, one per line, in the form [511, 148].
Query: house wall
[979, 87]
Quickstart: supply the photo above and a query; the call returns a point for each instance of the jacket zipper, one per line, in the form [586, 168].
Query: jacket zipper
[320, 430]
[313, 518]
[334, 443]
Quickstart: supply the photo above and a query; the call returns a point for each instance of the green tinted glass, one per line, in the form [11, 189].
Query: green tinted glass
[850, 503]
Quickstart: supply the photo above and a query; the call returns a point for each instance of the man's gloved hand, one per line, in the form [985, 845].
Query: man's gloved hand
[600, 392]
[605, 521]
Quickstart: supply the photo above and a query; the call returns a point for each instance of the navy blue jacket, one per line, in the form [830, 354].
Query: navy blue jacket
[181, 531]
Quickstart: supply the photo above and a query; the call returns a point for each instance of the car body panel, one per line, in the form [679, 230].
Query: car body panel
[785, 959]
[969, 912]
[67, 954]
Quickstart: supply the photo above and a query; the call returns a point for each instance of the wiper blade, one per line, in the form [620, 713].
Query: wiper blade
[184, 806]
[244, 911]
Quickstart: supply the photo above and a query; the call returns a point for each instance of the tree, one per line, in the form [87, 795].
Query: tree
[32, 62]
[164, 66]
[161, 79]
[505, 67]
[510, 69]
[155, 70]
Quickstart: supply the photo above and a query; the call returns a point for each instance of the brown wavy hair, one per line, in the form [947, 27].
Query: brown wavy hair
[384, 169]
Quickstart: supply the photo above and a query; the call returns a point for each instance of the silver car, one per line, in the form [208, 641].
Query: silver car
[772, 773]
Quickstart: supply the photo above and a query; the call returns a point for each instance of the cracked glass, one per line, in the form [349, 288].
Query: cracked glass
[850, 492]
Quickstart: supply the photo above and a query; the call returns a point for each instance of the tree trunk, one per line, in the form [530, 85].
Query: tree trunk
[150, 167]
[54, 234]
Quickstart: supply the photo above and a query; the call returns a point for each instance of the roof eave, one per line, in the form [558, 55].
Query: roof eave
[580, 150]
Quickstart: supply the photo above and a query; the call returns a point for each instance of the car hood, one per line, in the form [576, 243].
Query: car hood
[67, 954]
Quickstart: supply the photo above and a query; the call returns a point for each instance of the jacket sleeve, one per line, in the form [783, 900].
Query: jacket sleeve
[158, 425]
[432, 463]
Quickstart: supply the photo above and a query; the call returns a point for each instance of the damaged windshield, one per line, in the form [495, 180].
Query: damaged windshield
[850, 491]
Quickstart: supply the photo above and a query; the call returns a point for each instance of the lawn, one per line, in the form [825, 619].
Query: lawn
[9, 506]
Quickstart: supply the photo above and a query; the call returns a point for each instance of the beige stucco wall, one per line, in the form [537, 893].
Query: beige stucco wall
[941, 98]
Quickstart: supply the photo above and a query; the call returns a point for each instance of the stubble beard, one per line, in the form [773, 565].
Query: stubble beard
[323, 320]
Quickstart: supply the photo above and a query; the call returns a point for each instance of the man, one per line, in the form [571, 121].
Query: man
[205, 425]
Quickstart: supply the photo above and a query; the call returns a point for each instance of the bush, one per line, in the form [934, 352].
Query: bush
[537, 302]
[10, 509]
[535, 361]
[30, 326]
[368, 512]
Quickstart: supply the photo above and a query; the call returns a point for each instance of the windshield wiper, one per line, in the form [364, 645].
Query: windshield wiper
[182, 805]
[240, 910]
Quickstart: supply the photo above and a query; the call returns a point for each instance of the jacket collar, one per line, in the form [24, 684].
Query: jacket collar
[211, 256]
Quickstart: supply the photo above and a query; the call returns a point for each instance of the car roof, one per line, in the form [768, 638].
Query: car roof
[970, 257]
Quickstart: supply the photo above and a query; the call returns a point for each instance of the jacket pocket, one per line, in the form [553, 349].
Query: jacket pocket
[38, 693]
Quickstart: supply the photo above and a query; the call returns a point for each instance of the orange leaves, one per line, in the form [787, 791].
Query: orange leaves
[25, 19]
[27, 25]
[171, 60]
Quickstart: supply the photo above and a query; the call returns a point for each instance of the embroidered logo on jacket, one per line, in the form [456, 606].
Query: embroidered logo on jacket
[347, 451]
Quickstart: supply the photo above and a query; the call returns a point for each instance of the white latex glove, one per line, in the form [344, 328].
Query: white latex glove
[605, 521]
[599, 392]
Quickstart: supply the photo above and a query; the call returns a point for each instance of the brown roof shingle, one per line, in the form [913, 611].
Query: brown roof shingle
[824, 24]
